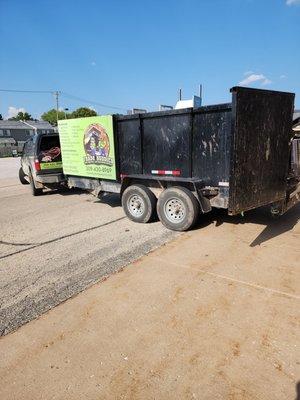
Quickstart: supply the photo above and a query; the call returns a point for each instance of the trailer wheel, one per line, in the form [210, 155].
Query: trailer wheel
[139, 203]
[177, 208]
[22, 178]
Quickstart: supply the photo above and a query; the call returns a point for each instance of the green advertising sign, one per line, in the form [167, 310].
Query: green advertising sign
[87, 147]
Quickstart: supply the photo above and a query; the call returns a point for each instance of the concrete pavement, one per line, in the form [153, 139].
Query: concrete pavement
[214, 314]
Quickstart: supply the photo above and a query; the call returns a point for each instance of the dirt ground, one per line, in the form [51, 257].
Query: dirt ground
[214, 314]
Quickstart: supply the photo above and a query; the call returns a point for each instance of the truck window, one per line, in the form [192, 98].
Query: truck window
[27, 148]
[24, 149]
[49, 149]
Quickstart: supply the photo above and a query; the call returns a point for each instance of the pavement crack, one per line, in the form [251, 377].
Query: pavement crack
[61, 238]
[17, 244]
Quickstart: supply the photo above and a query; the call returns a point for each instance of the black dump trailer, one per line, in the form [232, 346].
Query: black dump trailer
[178, 164]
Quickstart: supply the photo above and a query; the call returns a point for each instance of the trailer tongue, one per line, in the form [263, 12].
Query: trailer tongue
[235, 156]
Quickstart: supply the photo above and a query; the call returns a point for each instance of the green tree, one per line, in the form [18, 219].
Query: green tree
[1, 119]
[51, 116]
[21, 116]
[83, 112]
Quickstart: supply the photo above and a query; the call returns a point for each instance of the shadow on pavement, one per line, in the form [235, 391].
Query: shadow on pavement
[262, 216]
[111, 199]
[297, 391]
[64, 191]
[274, 226]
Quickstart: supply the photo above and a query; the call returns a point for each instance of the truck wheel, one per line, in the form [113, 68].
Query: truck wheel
[177, 208]
[22, 177]
[139, 203]
[34, 191]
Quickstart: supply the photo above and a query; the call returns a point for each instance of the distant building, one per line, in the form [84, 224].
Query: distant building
[20, 131]
[195, 102]
[136, 111]
[296, 119]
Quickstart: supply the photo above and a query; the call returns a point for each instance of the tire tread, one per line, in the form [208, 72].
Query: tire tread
[142, 190]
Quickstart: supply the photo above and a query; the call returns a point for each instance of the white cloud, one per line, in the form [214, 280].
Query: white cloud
[13, 111]
[262, 79]
[93, 64]
[266, 81]
[292, 2]
[282, 76]
[248, 73]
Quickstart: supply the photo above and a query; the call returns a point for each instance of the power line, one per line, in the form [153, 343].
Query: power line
[66, 95]
[27, 91]
[56, 93]
[71, 96]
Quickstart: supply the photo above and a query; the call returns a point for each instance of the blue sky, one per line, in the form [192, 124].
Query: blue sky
[138, 53]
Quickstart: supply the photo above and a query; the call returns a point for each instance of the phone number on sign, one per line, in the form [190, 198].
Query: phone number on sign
[98, 168]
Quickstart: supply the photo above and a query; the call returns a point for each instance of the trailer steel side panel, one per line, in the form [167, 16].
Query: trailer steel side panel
[129, 144]
[211, 144]
[195, 142]
[260, 150]
[167, 143]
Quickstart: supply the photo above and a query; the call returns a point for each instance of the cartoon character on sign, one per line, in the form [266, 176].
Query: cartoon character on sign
[96, 141]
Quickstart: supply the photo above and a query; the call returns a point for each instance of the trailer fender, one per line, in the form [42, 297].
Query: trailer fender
[126, 181]
[204, 202]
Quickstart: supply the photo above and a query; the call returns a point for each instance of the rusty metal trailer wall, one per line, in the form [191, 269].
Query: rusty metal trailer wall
[243, 145]
[211, 144]
[195, 142]
[260, 153]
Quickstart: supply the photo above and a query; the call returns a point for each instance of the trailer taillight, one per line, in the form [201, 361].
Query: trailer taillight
[164, 172]
[37, 165]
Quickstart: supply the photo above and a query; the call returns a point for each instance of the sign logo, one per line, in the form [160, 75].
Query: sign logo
[96, 145]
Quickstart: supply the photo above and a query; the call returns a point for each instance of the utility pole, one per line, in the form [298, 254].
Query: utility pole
[200, 91]
[180, 94]
[56, 94]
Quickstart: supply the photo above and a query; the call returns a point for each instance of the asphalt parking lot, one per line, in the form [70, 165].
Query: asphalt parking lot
[54, 246]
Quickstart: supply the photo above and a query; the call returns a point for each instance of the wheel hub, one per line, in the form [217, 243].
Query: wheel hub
[135, 205]
[175, 210]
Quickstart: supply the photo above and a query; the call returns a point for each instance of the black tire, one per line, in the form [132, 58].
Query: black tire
[177, 208]
[139, 204]
[22, 177]
[34, 191]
